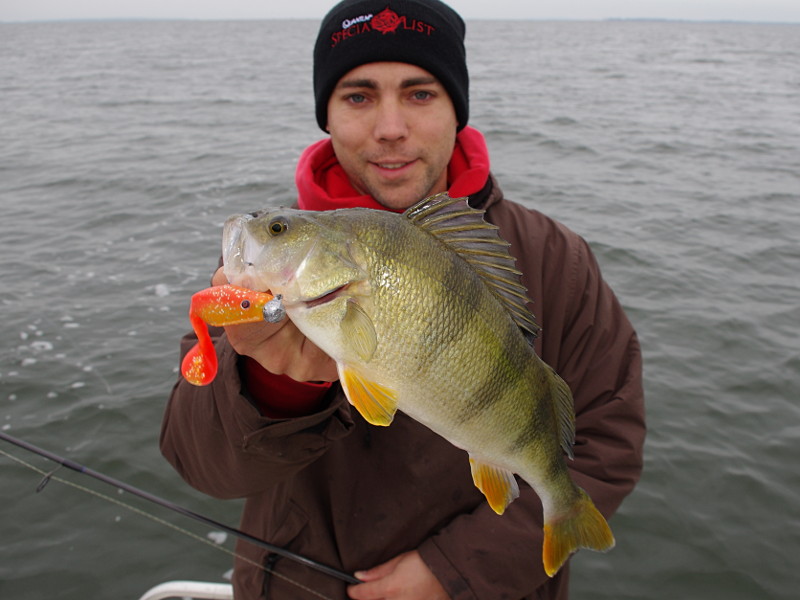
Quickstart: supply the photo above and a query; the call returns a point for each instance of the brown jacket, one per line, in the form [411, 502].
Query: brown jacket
[333, 488]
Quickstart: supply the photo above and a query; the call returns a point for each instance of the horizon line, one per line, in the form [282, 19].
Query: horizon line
[468, 19]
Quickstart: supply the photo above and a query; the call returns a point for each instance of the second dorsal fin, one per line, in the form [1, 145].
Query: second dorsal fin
[464, 229]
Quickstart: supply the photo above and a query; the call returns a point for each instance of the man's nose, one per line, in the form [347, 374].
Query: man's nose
[391, 122]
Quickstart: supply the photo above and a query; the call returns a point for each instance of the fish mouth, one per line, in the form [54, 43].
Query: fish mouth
[326, 297]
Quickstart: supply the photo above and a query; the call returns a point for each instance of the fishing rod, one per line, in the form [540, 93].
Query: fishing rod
[175, 508]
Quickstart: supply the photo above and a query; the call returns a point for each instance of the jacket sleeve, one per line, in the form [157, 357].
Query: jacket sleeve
[592, 345]
[221, 444]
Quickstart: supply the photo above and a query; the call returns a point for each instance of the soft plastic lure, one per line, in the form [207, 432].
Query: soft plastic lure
[219, 306]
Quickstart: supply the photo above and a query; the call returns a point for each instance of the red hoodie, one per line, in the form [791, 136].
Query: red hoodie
[322, 184]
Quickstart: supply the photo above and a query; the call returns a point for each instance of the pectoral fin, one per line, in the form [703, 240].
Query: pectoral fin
[359, 331]
[376, 403]
[497, 484]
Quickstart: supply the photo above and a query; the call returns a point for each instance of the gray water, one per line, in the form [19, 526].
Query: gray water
[674, 148]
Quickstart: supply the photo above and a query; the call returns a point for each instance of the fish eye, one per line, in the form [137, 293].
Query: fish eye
[245, 304]
[278, 226]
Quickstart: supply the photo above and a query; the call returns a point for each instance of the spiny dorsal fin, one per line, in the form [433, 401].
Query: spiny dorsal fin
[463, 229]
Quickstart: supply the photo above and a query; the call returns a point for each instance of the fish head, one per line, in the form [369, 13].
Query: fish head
[301, 255]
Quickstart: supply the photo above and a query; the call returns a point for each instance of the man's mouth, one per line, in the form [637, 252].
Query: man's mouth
[393, 165]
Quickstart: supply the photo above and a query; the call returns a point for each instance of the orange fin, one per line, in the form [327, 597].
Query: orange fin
[376, 403]
[583, 527]
[497, 484]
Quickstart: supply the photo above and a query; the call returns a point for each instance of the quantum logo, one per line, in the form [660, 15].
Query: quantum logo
[348, 23]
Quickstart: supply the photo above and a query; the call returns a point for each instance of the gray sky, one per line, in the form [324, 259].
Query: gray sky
[736, 10]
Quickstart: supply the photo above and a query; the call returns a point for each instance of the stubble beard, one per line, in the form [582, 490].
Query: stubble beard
[405, 195]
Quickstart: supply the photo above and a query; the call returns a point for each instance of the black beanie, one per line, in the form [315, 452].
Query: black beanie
[425, 33]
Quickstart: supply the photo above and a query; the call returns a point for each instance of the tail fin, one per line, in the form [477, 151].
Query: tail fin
[583, 527]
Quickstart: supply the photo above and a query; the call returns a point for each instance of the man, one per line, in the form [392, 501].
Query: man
[397, 505]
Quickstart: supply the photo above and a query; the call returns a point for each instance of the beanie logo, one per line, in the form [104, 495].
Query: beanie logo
[386, 21]
[348, 23]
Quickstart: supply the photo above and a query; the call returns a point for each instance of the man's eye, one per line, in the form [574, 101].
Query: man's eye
[357, 98]
[422, 95]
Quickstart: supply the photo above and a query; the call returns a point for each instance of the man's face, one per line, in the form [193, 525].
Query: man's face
[393, 128]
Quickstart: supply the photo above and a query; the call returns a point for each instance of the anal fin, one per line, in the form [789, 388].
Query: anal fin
[497, 484]
[376, 403]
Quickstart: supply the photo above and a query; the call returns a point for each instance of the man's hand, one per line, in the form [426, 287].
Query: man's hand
[279, 347]
[405, 577]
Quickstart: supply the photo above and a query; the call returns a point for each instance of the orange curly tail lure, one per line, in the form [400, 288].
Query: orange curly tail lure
[219, 306]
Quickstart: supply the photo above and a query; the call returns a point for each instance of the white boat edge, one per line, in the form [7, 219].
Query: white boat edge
[190, 589]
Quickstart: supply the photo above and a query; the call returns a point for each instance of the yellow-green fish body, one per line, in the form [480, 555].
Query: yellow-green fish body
[423, 312]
